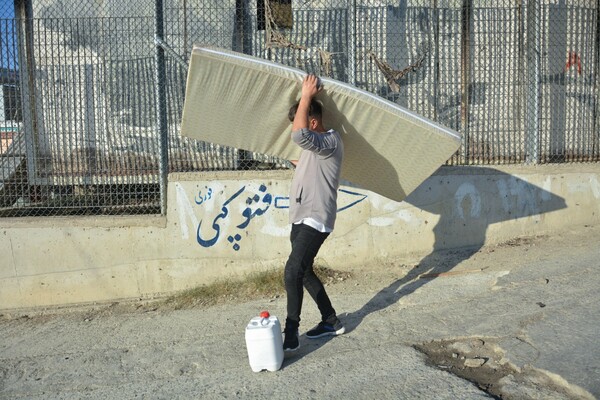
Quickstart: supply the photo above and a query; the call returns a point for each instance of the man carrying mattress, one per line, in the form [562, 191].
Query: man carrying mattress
[313, 205]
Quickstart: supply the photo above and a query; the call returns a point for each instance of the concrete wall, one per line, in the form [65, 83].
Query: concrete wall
[221, 224]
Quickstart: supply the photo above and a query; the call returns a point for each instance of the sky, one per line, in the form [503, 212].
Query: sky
[8, 42]
[7, 9]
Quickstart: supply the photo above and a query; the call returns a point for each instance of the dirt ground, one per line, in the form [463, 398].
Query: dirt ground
[513, 320]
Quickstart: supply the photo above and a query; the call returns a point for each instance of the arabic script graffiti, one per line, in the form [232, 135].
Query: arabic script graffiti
[232, 219]
[249, 213]
[201, 199]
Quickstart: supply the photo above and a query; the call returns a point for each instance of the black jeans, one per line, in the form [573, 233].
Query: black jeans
[299, 274]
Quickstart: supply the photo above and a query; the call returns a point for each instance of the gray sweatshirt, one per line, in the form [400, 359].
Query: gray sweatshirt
[317, 177]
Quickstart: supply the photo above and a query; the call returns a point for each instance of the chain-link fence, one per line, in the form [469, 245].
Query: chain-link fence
[92, 92]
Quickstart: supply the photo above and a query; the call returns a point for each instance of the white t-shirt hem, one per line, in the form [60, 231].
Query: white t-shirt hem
[313, 223]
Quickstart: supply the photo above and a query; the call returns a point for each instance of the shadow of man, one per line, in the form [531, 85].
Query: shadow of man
[468, 200]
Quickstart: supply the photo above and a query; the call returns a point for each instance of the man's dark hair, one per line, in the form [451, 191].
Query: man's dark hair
[315, 110]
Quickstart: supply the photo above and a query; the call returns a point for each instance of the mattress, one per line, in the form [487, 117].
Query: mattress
[242, 101]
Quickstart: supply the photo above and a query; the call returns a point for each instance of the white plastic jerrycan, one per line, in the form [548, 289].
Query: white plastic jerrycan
[264, 343]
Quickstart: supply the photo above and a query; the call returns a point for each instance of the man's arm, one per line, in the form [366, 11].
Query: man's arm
[310, 89]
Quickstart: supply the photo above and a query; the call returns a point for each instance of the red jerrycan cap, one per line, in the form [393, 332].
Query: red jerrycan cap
[264, 314]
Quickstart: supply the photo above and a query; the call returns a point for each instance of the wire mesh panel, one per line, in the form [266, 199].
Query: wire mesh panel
[317, 43]
[89, 82]
[82, 155]
[495, 132]
[410, 54]
[223, 24]
[568, 130]
[13, 153]
[187, 23]
[84, 91]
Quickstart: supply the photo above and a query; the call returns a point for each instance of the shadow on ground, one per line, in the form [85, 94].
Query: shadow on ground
[466, 208]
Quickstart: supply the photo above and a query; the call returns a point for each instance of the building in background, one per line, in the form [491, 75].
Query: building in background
[10, 102]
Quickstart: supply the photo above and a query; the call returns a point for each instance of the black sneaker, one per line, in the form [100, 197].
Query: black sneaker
[290, 340]
[325, 329]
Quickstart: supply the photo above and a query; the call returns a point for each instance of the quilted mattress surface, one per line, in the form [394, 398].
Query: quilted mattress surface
[241, 101]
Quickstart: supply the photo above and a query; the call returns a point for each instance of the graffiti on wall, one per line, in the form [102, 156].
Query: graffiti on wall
[227, 214]
[255, 206]
[200, 198]
[230, 218]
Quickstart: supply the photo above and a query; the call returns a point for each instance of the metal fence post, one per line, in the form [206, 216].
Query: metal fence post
[467, 11]
[23, 14]
[242, 44]
[352, 42]
[436, 58]
[596, 137]
[161, 105]
[532, 91]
